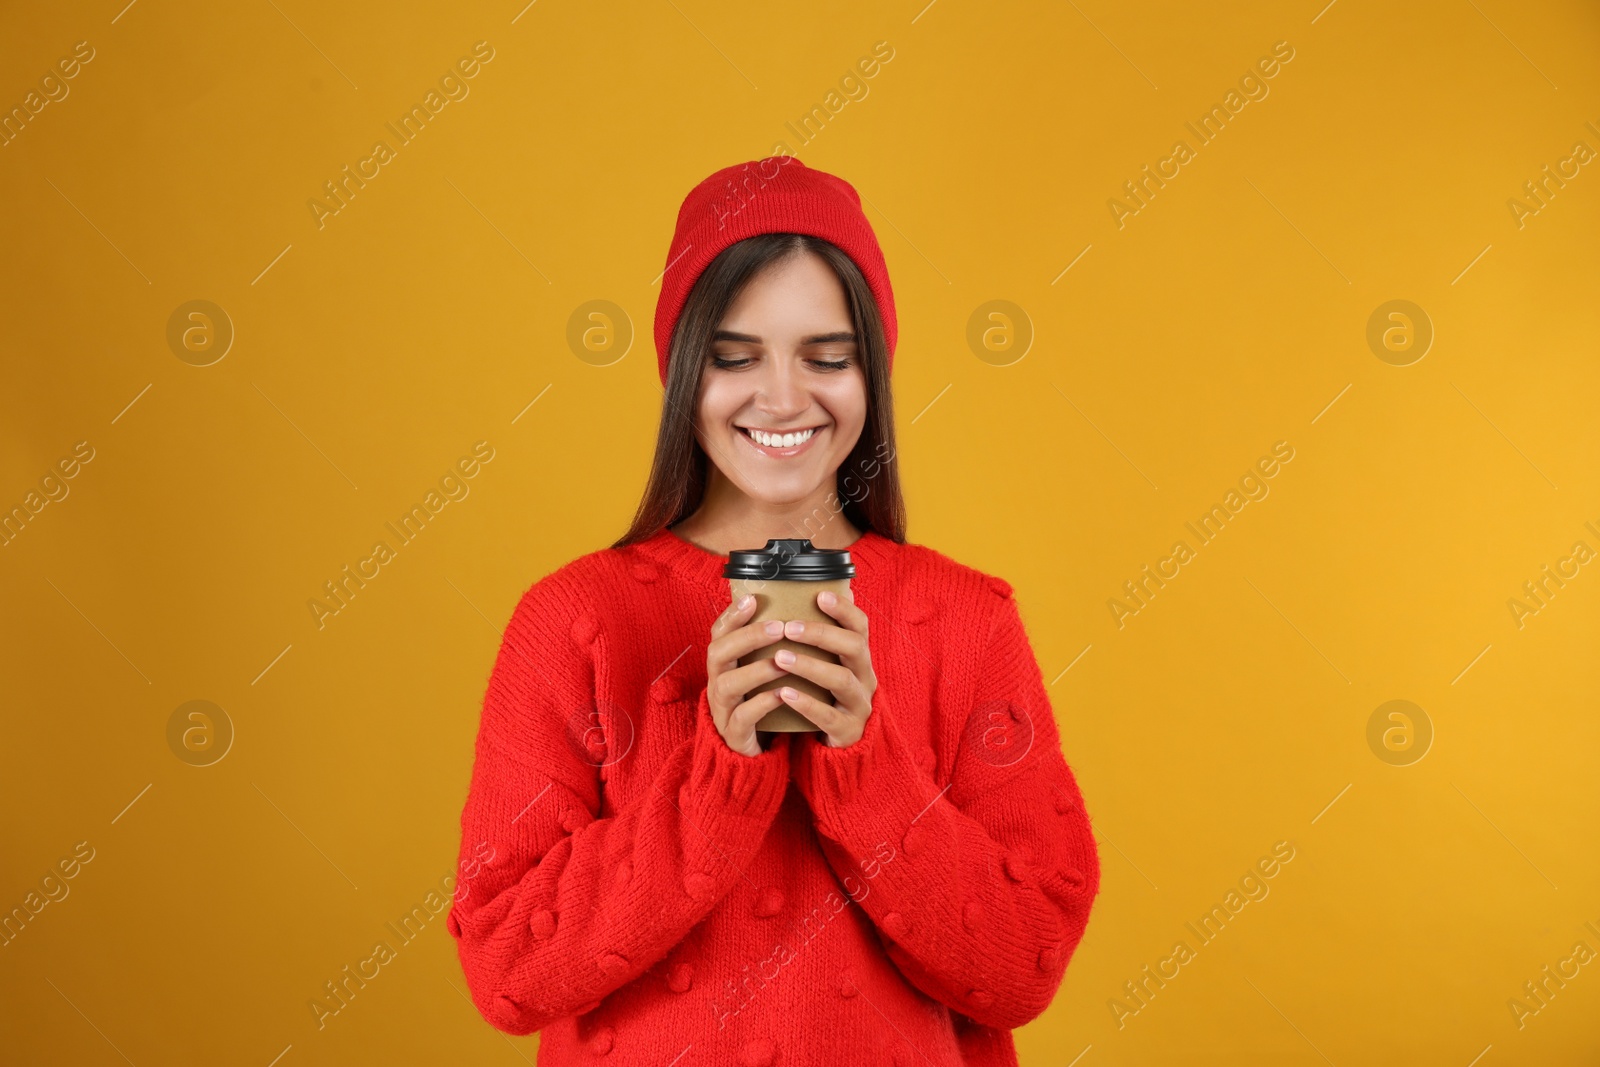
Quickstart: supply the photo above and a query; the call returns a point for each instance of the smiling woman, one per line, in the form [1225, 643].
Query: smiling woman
[651, 843]
[788, 391]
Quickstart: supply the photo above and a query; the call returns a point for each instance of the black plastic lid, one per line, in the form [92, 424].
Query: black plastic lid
[790, 560]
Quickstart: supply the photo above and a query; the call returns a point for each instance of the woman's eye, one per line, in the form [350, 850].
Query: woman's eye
[821, 364]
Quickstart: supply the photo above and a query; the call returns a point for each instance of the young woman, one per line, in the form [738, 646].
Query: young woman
[644, 877]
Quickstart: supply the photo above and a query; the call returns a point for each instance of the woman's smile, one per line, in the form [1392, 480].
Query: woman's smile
[779, 444]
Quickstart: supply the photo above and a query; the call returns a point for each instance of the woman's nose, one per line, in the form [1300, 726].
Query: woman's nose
[782, 392]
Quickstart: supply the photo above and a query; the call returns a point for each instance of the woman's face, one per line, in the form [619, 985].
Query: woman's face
[784, 362]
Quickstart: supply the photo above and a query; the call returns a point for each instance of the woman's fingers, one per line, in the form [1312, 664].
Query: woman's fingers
[834, 677]
[752, 711]
[739, 681]
[844, 609]
[724, 652]
[847, 640]
[741, 731]
[828, 718]
[827, 636]
[732, 638]
[735, 615]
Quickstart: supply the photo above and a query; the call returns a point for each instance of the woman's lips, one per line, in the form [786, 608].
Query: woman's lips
[780, 453]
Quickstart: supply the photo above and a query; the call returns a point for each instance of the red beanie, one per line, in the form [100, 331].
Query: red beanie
[778, 194]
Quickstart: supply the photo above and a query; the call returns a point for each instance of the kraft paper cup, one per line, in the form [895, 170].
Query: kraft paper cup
[785, 578]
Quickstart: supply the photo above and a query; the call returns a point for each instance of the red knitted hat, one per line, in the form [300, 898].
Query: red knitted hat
[778, 194]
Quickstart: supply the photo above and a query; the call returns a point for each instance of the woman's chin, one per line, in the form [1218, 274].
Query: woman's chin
[780, 492]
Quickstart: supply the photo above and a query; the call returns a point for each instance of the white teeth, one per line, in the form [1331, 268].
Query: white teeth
[785, 440]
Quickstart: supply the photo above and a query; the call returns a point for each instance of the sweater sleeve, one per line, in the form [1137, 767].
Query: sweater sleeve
[982, 890]
[556, 907]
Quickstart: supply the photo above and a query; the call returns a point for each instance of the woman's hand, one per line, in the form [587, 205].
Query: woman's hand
[727, 682]
[851, 680]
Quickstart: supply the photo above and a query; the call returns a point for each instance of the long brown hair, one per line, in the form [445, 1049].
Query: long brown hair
[867, 483]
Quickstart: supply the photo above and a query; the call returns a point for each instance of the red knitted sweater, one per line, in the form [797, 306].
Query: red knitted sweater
[642, 894]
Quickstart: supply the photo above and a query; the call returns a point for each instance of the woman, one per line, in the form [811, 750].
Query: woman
[645, 878]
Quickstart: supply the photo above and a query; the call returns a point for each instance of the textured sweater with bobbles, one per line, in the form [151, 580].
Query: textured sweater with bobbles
[641, 894]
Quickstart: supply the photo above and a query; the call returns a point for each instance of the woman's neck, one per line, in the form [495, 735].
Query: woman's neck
[728, 520]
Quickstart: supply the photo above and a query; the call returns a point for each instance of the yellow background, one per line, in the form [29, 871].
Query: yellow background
[1228, 314]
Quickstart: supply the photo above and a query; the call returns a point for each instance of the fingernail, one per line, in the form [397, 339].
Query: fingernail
[827, 599]
[784, 657]
[749, 598]
[774, 628]
[790, 694]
